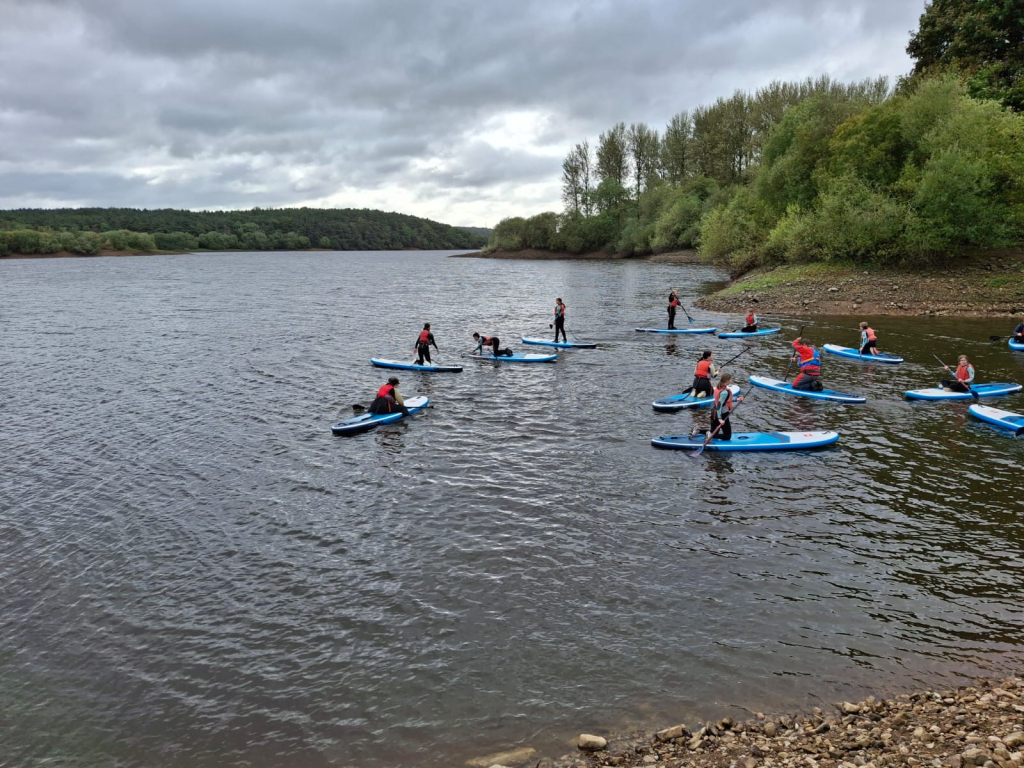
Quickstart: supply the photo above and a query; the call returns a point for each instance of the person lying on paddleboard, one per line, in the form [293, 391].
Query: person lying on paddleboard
[487, 341]
[673, 305]
[809, 378]
[868, 340]
[560, 320]
[964, 377]
[751, 326]
[388, 399]
[1018, 333]
[721, 409]
[422, 347]
[702, 375]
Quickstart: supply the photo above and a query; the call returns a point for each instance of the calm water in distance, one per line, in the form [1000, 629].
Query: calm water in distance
[195, 572]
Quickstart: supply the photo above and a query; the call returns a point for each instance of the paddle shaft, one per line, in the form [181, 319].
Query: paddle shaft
[709, 438]
[790, 366]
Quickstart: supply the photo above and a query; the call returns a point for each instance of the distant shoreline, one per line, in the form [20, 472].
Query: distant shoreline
[107, 252]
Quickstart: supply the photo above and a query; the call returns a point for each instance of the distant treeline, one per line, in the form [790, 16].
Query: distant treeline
[817, 170]
[89, 230]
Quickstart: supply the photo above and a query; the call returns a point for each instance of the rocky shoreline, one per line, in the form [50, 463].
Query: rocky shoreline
[980, 725]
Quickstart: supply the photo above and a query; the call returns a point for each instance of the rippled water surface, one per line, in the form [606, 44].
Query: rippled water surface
[194, 571]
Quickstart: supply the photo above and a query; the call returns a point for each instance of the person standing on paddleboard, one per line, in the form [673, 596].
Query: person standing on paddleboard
[751, 326]
[487, 341]
[388, 399]
[809, 361]
[702, 375]
[422, 347]
[673, 305]
[964, 377]
[560, 320]
[868, 340]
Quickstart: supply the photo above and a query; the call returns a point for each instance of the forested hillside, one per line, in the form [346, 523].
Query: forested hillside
[88, 230]
[818, 170]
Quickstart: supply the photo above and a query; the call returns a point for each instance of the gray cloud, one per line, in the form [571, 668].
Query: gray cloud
[453, 109]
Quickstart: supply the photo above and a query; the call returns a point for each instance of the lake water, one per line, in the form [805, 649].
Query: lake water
[194, 571]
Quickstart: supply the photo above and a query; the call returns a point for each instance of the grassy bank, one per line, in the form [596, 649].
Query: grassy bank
[985, 284]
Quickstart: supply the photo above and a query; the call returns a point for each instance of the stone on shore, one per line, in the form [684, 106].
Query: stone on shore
[507, 759]
[591, 743]
[670, 734]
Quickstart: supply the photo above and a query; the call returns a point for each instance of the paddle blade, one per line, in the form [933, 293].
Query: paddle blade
[698, 452]
[996, 338]
[357, 407]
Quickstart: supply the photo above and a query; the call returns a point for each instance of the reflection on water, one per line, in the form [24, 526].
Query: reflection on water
[194, 570]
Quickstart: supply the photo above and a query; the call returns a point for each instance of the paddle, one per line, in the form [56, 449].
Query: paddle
[722, 366]
[685, 312]
[711, 436]
[790, 366]
[998, 338]
[969, 387]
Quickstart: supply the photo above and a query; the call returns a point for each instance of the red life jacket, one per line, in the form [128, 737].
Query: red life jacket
[962, 373]
[385, 391]
[424, 336]
[674, 302]
[810, 362]
[871, 333]
[703, 369]
[750, 319]
[486, 339]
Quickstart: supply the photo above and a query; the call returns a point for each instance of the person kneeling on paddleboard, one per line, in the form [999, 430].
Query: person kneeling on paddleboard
[560, 320]
[388, 399]
[1018, 333]
[702, 375]
[426, 338]
[722, 408]
[809, 378]
[490, 341]
[868, 340]
[964, 377]
[751, 326]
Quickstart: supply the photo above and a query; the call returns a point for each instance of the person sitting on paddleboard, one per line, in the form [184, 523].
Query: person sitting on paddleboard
[809, 378]
[426, 338]
[868, 340]
[751, 326]
[560, 320]
[702, 375]
[1018, 333]
[487, 341]
[388, 399]
[964, 377]
[722, 408]
[673, 305]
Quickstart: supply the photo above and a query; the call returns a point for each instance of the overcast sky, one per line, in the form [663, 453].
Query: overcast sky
[456, 110]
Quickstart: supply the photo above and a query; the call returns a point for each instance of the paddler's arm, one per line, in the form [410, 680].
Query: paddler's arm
[398, 397]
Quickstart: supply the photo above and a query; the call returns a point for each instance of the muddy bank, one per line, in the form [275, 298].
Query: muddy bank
[674, 257]
[980, 725]
[982, 286]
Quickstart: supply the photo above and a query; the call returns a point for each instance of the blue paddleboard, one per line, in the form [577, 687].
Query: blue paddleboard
[825, 394]
[561, 344]
[679, 402]
[489, 358]
[370, 420]
[750, 441]
[854, 354]
[741, 334]
[1000, 418]
[676, 330]
[981, 390]
[404, 366]
[1016, 345]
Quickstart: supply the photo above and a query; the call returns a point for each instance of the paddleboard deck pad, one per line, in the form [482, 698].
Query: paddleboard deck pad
[561, 344]
[1000, 418]
[404, 366]
[369, 420]
[676, 330]
[854, 354]
[751, 441]
[679, 402]
[981, 390]
[743, 334]
[787, 387]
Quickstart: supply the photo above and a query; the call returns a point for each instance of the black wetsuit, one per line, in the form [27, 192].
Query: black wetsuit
[423, 348]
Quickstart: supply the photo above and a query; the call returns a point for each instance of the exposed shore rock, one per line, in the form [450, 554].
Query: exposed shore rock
[980, 725]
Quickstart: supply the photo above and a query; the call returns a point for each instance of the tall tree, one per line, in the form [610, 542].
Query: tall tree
[675, 148]
[578, 180]
[982, 38]
[642, 143]
[613, 155]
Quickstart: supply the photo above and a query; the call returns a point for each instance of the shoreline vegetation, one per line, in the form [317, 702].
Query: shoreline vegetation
[819, 179]
[128, 231]
[977, 725]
